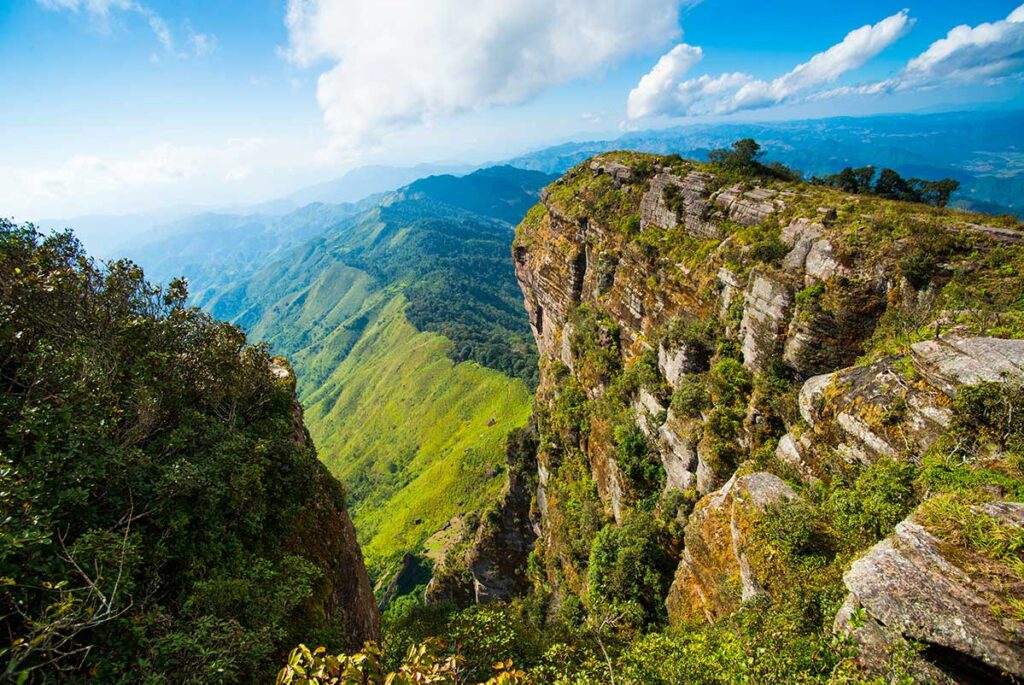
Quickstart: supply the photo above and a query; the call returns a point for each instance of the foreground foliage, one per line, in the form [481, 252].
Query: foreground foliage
[150, 482]
[424, 663]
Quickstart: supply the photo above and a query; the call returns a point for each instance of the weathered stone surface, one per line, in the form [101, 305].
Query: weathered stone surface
[812, 394]
[497, 559]
[678, 454]
[821, 338]
[695, 204]
[619, 172]
[677, 361]
[747, 207]
[913, 586]
[865, 413]
[493, 567]
[951, 361]
[653, 210]
[767, 303]
[796, 453]
[821, 263]
[800, 236]
[715, 574]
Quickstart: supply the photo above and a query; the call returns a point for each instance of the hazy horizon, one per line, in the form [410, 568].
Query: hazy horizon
[142, 106]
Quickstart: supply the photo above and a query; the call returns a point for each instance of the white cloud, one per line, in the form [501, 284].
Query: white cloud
[859, 47]
[202, 44]
[664, 92]
[99, 13]
[969, 53]
[656, 91]
[162, 175]
[98, 8]
[162, 32]
[397, 63]
[984, 54]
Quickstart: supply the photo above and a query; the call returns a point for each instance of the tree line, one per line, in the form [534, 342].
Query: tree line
[746, 156]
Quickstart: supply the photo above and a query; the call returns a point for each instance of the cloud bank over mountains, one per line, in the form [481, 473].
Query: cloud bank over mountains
[393, 64]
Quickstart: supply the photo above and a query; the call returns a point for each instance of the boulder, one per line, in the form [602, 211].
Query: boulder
[914, 586]
[952, 361]
[715, 575]
[864, 413]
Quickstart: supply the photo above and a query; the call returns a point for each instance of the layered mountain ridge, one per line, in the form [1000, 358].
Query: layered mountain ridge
[413, 358]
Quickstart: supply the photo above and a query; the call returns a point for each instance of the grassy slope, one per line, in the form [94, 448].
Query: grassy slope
[367, 312]
[407, 430]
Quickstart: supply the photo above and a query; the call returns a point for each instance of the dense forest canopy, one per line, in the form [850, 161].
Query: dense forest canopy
[151, 478]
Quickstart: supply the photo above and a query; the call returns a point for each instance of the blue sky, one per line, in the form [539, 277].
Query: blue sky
[124, 105]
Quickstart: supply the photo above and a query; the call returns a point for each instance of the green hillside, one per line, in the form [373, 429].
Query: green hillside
[414, 358]
[417, 438]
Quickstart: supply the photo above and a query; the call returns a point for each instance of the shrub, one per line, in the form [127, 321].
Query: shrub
[630, 568]
[990, 412]
[691, 396]
[155, 494]
[637, 460]
[882, 496]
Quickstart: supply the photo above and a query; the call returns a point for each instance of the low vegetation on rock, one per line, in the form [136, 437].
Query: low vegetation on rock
[755, 392]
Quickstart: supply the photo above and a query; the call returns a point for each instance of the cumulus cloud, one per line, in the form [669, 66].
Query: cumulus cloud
[969, 53]
[656, 91]
[986, 53]
[663, 91]
[99, 13]
[396, 63]
[859, 46]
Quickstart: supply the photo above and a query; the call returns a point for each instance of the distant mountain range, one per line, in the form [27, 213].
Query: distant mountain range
[982, 150]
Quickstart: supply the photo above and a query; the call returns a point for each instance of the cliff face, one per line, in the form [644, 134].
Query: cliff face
[716, 347]
[323, 534]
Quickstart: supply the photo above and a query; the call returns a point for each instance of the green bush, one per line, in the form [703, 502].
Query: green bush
[154, 486]
[691, 396]
[637, 460]
[882, 496]
[630, 569]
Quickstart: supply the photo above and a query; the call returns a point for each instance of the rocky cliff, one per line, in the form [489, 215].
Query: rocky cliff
[323, 534]
[734, 350]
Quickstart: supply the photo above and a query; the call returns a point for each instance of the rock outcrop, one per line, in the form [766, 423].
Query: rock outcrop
[323, 534]
[953, 361]
[731, 320]
[715, 574]
[497, 559]
[767, 303]
[864, 413]
[488, 563]
[913, 586]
